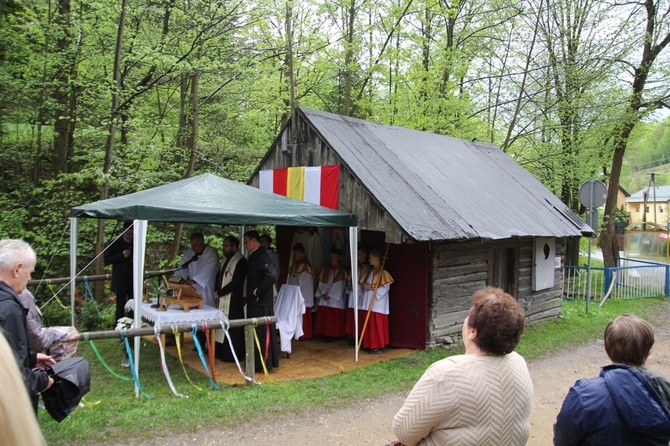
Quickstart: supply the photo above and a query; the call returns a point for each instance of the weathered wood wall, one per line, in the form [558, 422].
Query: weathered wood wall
[458, 269]
[312, 150]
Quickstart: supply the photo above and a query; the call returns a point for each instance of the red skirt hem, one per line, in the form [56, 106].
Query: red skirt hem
[307, 325]
[329, 322]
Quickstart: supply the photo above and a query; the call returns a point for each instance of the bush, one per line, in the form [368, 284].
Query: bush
[97, 316]
[56, 316]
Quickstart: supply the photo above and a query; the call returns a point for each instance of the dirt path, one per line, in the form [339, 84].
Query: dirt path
[369, 423]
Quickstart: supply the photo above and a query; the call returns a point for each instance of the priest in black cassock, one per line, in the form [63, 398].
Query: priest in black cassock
[259, 297]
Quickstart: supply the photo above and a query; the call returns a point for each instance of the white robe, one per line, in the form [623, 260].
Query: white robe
[334, 290]
[202, 272]
[381, 304]
[306, 283]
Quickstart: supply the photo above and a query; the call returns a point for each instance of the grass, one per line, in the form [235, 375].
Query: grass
[113, 414]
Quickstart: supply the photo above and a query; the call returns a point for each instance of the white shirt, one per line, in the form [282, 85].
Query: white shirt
[202, 272]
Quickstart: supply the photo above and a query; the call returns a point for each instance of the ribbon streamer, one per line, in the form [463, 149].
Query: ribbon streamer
[60, 302]
[89, 294]
[104, 364]
[202, 357]
[258, 345]
[181, 361]
[132, 365]
[225, 325]
[210, 351]
[164, 364]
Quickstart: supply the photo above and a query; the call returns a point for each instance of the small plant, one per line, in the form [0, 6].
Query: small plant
[97, 316]
[55, 316]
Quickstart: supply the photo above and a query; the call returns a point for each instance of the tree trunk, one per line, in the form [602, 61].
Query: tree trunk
[290, 73]
[61, 93]
[109, 147]
[348, 59]
[183, 138]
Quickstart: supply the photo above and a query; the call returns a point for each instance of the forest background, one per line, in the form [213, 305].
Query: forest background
[101, 98]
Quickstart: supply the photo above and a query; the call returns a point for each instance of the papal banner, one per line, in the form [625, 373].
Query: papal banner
[316, 184]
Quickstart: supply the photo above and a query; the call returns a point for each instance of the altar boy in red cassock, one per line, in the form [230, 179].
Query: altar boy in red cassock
[301, 274]
[376, 336]
[331, 289]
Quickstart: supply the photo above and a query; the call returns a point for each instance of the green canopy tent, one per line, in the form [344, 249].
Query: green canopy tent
[206, 199]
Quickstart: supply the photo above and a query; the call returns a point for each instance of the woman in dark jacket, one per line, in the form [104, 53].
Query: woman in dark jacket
[621, 406]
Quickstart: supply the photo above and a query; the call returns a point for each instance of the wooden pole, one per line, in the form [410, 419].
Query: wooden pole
[95, 277]
[249, 361]
[165, 329]
[248, 325]
[374, 296]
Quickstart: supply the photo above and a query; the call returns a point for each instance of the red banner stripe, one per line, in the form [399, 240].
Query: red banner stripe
[279, 180]
[330, 186]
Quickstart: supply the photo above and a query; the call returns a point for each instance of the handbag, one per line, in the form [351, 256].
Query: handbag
[72, 380]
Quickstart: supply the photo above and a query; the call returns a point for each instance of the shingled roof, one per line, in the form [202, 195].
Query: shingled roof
[660, 193]
[442, 188]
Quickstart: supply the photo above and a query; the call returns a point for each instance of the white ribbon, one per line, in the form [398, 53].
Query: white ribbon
[165, 369]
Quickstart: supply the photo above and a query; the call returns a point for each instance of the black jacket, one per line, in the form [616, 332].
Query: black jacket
[122, 267]
[14, 327]
[260, 278]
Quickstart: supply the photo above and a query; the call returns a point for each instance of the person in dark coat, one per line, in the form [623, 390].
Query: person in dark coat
[17, 263]
[229, 296]
[120, 256]
[259, 297]
[626, 404]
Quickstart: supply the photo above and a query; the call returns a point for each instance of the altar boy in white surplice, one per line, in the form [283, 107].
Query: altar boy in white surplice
[301, 274]
[331, 289]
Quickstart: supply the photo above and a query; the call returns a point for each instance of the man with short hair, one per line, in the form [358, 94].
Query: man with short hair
[260, 299]
[230, 297]
[266, 242]
[199, 266]
[17, 263]
[627, 404]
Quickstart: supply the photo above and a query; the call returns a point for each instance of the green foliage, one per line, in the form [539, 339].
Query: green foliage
[649, 151]
[468, 71]
[97, 316]
[56, 316]
[576, 327]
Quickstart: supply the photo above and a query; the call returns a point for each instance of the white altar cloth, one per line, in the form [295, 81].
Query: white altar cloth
[174, 315]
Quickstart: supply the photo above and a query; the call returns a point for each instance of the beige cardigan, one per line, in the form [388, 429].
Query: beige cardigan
[468, 400]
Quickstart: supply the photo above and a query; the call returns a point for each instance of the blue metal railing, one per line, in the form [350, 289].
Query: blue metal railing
[630, 279]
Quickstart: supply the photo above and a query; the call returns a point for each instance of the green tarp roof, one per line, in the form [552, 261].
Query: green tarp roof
[210, 199]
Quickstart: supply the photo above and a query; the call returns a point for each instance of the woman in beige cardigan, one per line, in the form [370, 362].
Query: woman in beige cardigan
[482, 397]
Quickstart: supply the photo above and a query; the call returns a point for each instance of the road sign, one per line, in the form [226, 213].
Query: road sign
[593, 194]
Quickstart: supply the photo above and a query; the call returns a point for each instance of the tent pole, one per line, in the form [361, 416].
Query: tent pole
[353, 247]
[73, 263]
[139, 245]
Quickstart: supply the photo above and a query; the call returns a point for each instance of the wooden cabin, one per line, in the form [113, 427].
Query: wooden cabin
[454, 215]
